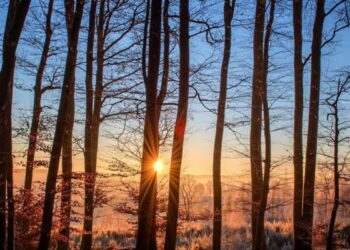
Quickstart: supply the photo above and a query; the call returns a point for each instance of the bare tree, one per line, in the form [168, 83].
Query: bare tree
[38, 92]
[73, 20]
[147, 196]
[298, 121]
[16, 14]
[333, 101]
[256, 116]
[88, 163]
[311, 147]
[229, 8]
[180, 127]
[260, 242]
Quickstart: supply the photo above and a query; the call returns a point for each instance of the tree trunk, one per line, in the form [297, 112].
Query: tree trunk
[220, 123]
[67, 165]
[260, 242]
[10, 201]
[86, 241]
[15, 20]
[298, 123]
[62, 123]
[336, 176]
[148, 184]
[180, 127]
[255, 129]
[33, 136]
[311, 147]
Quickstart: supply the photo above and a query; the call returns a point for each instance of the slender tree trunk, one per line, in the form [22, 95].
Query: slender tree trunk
[336, 177]
[148, 184]
[16, 15]
[94, 135]
[180, 127]
[86, 240]
[62, 123]
[298, 123]
[33, 136]
[255, 129]
[10, 201]
[67, 165]
[220, 123]
[260, 234]
[165, 76]
[311, 147]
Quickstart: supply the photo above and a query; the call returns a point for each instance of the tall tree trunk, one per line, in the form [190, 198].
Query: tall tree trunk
[10, 201]
[88, 155]
[180, 127]
[148, 184]
[255, 129]
[67, 165]
[298, 122]
[260, 233]
[311, 147]
[17, 12]
[33, 136]
[220, 123]
[94, 135]
[62, 118]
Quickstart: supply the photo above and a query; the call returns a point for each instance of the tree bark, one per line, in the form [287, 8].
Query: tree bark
[16, 15]
[220, 124]
[260, 242]
[180, 127]
[62, 123]
[298, 122]
[88, 153]
[311, 147]
[256, 113]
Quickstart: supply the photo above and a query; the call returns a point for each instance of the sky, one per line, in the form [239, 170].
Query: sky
[200, 131]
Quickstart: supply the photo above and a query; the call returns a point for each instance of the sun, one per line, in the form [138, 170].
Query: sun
[158, 166]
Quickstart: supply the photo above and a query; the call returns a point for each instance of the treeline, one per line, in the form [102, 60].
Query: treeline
[130, 64]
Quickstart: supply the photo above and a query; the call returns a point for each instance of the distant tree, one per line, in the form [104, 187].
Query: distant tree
[336, 138]
[16, 15]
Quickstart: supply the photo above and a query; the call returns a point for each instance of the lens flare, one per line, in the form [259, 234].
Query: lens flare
[158, 166]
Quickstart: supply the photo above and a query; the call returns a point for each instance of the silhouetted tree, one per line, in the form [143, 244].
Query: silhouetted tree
[256, 115]
[180, 128]
[260, 242]
[73, 20]
[333, 101]
[16, 14]
[229, 8]
[298, 120]
[147, 196]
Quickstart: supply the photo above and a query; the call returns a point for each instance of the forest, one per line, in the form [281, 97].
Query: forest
[175, 124]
